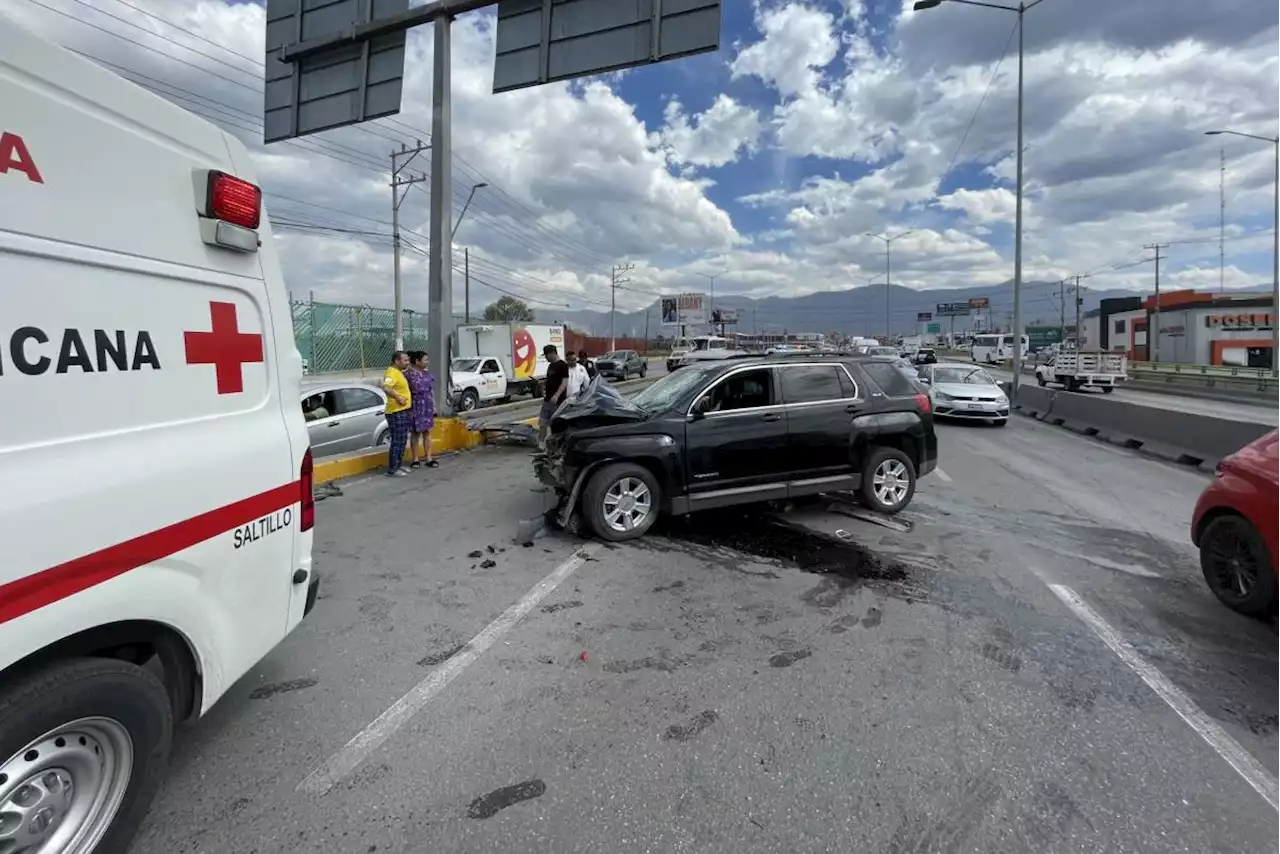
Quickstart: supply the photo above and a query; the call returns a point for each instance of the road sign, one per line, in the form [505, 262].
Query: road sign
[539, 41]
[348, 84]
[953, 309]
[933, 329]
[922, 316]
[980, 302]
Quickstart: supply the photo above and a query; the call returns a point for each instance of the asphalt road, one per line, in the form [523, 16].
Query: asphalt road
[743, 683]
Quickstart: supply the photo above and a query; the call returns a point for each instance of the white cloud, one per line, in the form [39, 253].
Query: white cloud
[713, 138]
[798, 41]
[993, 205]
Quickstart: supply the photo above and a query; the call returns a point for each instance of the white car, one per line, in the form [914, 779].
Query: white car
[960, 390]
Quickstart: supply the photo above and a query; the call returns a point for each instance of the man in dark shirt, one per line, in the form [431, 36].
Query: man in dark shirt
[556, 384]
[587, 363]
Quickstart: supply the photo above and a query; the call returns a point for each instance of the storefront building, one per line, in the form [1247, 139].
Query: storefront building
[1195, 329]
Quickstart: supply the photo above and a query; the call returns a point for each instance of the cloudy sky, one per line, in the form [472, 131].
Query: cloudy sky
[815, 123]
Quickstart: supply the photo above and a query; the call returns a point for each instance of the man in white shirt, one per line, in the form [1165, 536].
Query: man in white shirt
[578, 377]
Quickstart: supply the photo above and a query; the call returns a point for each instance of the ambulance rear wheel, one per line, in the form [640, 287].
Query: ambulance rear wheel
[83, 748]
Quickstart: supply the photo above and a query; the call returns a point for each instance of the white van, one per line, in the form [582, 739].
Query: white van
[155, 476]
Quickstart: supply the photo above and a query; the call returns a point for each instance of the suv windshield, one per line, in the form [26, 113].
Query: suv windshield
[666, 391]
[969, 376]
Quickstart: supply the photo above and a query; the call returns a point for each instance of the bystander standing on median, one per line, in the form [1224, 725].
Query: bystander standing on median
[556, 385]
[399, 414]
[422, 409]
[587, 363]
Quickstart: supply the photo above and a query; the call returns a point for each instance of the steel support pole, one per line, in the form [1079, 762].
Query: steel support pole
[440, 275]
[1275, 271]
[1017, 239]
[395, 255]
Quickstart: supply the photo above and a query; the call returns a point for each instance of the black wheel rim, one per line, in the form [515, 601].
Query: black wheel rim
[1233, 565]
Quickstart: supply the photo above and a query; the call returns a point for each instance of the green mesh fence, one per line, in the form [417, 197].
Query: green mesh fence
[352, 337]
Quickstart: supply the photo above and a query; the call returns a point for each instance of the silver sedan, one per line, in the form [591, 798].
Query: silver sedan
[343, 416]
[960, 390]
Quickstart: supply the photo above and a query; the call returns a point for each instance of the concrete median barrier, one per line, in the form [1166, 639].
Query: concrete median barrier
[1192, 439]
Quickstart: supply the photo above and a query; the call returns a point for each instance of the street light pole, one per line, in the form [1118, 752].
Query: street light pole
[1021, 10]
[712, 278]
[888, 241]
[1275, 243]
[466, 263]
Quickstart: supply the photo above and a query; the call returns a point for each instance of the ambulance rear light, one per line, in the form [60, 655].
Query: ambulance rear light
[230, 210]
[306, 480]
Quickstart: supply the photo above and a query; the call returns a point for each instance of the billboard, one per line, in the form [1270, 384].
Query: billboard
[540, 41]
[724, 315]
[953, 309]
[979, 303]
[684, 310]
[924, 316]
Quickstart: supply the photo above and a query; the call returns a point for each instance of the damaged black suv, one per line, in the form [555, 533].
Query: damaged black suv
[739, 431]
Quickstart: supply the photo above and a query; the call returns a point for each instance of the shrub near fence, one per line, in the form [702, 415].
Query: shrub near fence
[334, 337]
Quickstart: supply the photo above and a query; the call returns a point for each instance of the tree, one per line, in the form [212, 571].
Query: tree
[508, 308]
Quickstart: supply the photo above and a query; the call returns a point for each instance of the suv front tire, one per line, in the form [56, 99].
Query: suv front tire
[621, 502]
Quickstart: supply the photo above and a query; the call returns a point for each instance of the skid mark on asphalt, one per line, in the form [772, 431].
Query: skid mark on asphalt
[677, 732]
[950, 832]
[1224, 745]
[369, 739]
[790, 657]
[487, 806]
[281, 688]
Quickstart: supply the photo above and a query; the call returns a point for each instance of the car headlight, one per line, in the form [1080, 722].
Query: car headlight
[942, 396]
[1002, 400]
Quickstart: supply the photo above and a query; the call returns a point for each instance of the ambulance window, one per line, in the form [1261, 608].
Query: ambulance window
[355, 399]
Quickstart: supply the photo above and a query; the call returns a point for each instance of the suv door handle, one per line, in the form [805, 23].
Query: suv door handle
[772, 416]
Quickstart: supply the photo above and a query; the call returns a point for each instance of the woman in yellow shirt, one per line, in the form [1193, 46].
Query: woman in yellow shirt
[399, 415]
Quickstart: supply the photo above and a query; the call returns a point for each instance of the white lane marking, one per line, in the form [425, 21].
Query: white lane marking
[346, 760]
[1227, 747]
[946, 478]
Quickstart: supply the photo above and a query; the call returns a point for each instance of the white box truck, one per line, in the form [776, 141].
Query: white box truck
[495, 361]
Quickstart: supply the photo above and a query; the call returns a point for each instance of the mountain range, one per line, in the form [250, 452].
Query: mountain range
[857, 311]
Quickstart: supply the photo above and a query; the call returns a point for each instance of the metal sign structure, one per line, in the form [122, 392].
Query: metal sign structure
[346, 85]
[540, 41]
[953, 309]
[722, 316]
[979, 303]
[684, 310]
[331, 63]
[923, 316]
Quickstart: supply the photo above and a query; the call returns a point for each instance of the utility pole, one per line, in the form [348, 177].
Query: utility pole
[1062, 310]
[1079, 303]
[1154, 338]
[466, 277]
[617, 279]
[1222, 220]
[711, 310]
[397, 198]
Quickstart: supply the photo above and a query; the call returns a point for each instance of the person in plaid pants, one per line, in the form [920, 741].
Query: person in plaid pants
[399, 412]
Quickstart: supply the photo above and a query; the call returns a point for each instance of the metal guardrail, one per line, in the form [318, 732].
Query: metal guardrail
[1225, 378]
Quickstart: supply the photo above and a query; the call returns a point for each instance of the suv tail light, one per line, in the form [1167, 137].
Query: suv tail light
[233, 200]
[306, 481]
[922, 400]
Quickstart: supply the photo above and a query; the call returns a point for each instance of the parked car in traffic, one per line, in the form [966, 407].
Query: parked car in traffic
[962, 390]
[343, 416]
[621, 364]
[1234, 526]
[739, 431]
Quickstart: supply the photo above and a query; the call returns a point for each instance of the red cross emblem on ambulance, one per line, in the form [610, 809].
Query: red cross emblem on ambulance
[225, 347]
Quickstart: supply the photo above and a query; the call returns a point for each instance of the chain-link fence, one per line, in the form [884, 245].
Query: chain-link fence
[352, 337]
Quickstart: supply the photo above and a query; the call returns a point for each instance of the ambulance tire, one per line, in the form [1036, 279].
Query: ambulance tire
[100, 696]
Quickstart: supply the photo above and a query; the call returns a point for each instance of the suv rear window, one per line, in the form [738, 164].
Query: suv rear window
[892, 381]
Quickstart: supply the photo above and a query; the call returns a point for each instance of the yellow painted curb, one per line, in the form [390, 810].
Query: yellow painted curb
[448, 434]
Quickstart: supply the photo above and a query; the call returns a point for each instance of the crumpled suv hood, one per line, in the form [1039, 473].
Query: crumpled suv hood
[599, 405]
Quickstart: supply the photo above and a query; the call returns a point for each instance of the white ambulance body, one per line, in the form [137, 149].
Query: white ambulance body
[155, 476]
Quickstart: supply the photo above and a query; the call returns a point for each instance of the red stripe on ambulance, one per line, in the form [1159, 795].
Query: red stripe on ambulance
[21, 597]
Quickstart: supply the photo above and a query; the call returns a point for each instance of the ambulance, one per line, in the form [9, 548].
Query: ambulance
[156, 507]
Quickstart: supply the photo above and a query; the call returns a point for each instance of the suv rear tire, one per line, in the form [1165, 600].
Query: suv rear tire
[90, 734]
[898, 480]
[627, 491]
[1232, 540]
